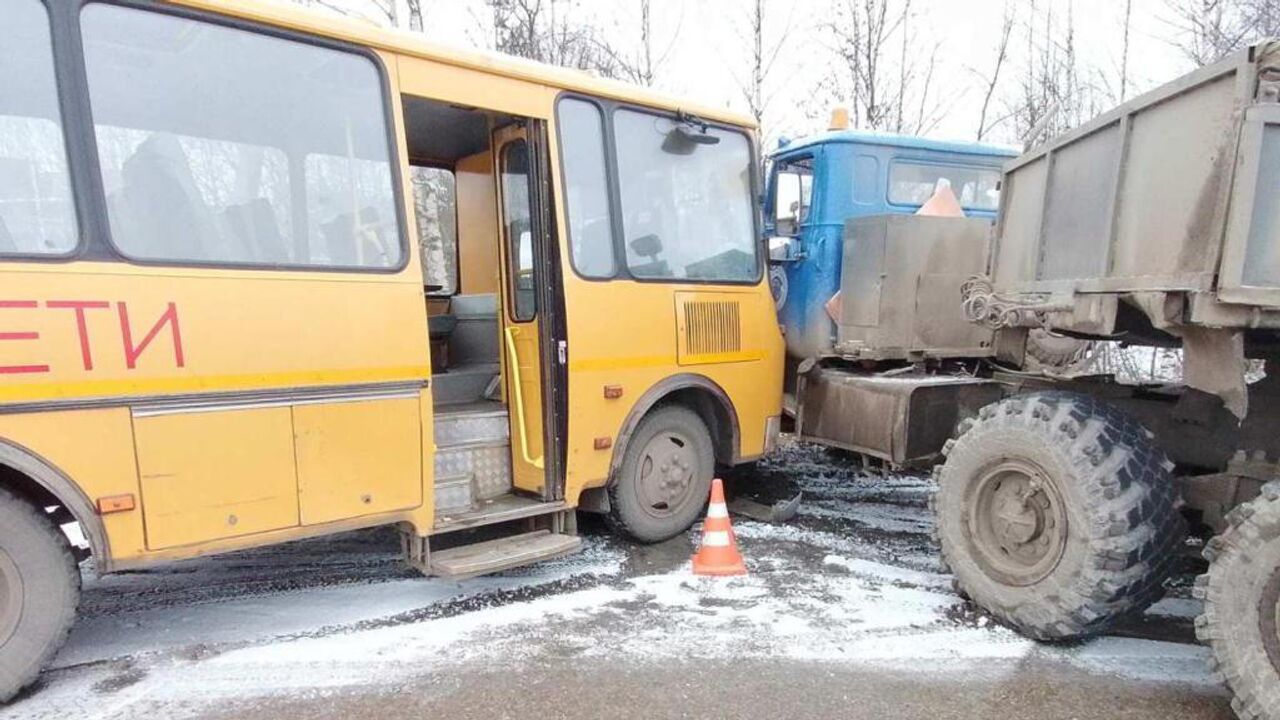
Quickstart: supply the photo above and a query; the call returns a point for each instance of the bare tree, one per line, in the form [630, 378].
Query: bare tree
[1054, 90]
[380, 12]
[883, 66]
[415, 14]
[638, 61]
[991, 80]
[754, 82]
[1206, 30]
[1124, 50]
[546, 31]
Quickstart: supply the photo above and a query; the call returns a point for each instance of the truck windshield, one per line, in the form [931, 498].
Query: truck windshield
[913, 183]
[36, 213]
[687, 210]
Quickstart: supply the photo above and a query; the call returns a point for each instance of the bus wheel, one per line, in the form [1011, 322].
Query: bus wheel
[1241, 593]
[1057, 515]
[665, 476]
[39, 592]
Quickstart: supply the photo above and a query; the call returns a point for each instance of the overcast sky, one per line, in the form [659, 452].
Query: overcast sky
[705, 51]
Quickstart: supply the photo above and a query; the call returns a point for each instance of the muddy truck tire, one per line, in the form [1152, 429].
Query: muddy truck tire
[39, 592]
[665, 476]
[1057, 514]
[1241, 594]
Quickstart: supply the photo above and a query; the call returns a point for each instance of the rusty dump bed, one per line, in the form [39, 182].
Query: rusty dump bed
[1170, 204]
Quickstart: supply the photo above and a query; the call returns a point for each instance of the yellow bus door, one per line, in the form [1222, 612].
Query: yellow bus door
[521, 347]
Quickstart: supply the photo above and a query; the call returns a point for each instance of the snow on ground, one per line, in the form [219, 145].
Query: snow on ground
[854, 579]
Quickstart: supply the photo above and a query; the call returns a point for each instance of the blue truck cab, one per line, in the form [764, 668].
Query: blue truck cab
[816, 184]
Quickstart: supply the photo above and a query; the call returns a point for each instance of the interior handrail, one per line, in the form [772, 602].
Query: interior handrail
[513, 360]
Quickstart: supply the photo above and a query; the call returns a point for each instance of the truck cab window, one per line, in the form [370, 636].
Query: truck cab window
[36, 212]
[792, 195]
[913, 183]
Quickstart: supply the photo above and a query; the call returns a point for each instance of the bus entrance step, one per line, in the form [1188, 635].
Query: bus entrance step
[501, 554]
[501, 509]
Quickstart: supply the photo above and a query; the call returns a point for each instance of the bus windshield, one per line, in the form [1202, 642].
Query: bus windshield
[687, 209]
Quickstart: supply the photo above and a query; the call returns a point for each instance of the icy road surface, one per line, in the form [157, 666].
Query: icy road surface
[845, 614]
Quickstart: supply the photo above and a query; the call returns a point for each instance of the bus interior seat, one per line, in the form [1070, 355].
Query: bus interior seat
[473, 350]
[593, 251]
[440, 325]
[254, 224]
[356, 238]
[158, 203]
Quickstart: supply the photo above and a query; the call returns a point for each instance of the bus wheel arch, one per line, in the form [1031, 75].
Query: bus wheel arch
[665, 458]
[32, 478]
[698, 393]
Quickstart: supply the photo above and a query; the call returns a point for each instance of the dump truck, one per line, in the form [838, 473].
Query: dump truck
[1064, 499]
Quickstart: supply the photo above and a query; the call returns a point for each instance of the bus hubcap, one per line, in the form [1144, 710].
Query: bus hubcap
[10, 597]
[1018, 523]
[665, 473]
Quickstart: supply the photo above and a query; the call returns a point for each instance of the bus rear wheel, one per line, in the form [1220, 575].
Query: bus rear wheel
[1241, 593]
[39, 592]
[665, 476]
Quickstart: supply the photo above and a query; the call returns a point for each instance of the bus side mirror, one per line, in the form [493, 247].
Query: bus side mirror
[785, 249]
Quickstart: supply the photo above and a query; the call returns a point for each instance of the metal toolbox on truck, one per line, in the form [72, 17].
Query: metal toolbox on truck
[900, 286]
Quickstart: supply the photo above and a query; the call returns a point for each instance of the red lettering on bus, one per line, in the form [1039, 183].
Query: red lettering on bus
[131, 351]
[82, 327]
[20, 335]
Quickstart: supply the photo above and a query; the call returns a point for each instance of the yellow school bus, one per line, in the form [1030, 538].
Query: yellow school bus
[267, 275]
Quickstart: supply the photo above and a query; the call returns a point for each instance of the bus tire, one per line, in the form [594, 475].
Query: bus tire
[1057, 514]
[39, 592]
[1241, 594]
[665, 476]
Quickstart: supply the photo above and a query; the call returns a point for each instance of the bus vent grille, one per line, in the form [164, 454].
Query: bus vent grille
[712, 326]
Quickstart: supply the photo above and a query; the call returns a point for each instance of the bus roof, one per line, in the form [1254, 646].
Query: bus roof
[282, 14]
[871, 137]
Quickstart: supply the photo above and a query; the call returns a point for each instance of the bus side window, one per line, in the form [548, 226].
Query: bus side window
[517, 221]
[435, 206]
[36, 214]
[225, 146]
[586, 188]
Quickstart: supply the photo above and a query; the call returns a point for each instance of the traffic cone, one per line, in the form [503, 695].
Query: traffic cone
[718, 554]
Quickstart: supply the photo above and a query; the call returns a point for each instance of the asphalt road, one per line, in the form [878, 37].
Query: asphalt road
[752, 689]
[846, 613]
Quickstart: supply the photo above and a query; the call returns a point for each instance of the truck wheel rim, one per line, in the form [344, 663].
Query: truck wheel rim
[665, 473]
[10, 597]
[1017, 522]
[1269, 618]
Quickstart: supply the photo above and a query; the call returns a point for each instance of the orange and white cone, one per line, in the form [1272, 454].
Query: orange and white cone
[718, 554]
